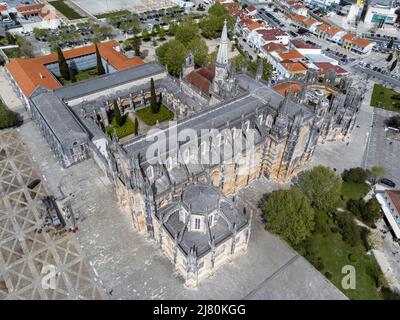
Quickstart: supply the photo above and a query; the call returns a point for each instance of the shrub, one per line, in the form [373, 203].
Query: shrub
[348, 229]
[8, 118]
[334, 230]
[356, 175]
[328, 275]
[352, 257]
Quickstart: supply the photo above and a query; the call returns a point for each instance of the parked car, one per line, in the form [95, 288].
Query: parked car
[388, 182]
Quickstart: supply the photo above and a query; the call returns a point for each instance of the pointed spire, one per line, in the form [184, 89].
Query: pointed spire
[284, 104]
[222, 57]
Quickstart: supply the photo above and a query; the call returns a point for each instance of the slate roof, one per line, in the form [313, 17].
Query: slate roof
[110, 80]
[59, 118]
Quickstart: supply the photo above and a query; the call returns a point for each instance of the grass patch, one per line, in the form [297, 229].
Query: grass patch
[352, 190]
[382, 98]
[150, 118]
[126, 129]
[114, 14]
[85, 74]
[13, 53]
[8, 118]
[67, 11]
[335, 253]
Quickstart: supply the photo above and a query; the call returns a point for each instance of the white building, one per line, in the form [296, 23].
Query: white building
[322, 3]
[381, 10]
[390, 204]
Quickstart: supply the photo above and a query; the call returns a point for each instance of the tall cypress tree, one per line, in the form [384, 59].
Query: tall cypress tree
[153, 98]
[159, 103]
[136, 127]
[100, 68]
[63, 65]
[72, 75]
[117, 114]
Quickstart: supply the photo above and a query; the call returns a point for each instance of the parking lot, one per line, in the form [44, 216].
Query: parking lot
[383, 150]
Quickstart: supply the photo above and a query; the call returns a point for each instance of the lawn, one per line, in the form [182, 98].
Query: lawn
[85, 74]
[126, 129]
[150, 118]
[13, 53]
[334, 253]
[8, 118]
[351, 190]
[382, 98]
[114, 14]
[67, 11]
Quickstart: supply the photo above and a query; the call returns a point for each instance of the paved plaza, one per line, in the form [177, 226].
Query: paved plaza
[26, 247]
[97, 7]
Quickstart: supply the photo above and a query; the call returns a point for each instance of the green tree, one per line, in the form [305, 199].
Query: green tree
[378, 173]
[172, 54]
[372, 211]
[199, 49]
[348, 229]
[72, 75]
[322, 187]
[288, 214]
[10, 38]
[8, 118]
[136, 131]
[186, 32]
[393, 121]
[63, 65]
[146, 36]
[153, 97]
[99, 63]
[267, 68]
[211, 26]
[390, 57]
[117, 114]
[159, 102]
[136, 42]
[393, 66]
[356, 175]
[390, 44]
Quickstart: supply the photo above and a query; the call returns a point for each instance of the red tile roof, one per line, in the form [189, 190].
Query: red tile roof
[32, 73]
[292, 54]
[323, 27]
[295, 67]
[270, 47]
[309, 22]
[3, 8]
[299, 44]
[361, 42]
[325, 66]
[282, 88]
[202, 78]
[394, 196]
[271, 34]
[33, 7]
[298, 17]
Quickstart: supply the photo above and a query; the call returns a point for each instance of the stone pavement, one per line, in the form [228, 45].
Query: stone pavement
[26, 247]
[133, 267]
[383, 150]
[7, 93]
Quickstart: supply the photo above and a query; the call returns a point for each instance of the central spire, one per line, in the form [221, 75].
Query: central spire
[222, 57]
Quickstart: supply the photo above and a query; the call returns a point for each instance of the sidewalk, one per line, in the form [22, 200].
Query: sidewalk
[8, 95]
